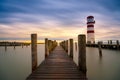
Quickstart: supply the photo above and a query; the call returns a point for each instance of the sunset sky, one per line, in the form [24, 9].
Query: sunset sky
[58, 19]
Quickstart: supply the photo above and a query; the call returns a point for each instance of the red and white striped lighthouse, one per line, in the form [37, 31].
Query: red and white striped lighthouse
[90, 29]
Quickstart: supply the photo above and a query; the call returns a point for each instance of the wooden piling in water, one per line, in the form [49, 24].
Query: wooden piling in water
[34, 51]
[50, 45]
[110, 41]
[71, 48]
[66, 45]
[5, 46]
[76, 46]
[82, 53]
[46, 47]
[14, 45]
[100, 49]
[23, 45]
[117, 44]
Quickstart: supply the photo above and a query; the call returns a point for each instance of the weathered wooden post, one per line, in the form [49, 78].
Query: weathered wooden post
[110, 41]
[82, 53]
[71, 48]
[34, 51]
[100, 49]
[46, 47]
[5, 46]
[14, 44]
[76, 46]
[66, 45]
[117, 44]
[22, 45]
[49, 46]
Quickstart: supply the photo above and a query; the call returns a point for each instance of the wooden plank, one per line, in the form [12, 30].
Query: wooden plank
[57, 66]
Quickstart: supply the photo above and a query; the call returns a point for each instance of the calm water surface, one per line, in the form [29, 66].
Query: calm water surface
[15, 64]
[103, 68]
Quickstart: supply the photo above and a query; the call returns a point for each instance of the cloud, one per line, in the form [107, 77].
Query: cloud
[49, 18]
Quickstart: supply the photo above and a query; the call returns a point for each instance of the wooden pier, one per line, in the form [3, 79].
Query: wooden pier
[57, 66]
[105, 46]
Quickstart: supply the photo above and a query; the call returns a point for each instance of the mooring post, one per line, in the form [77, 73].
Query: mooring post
[46, 47]
[14, 45]
[34, 51]
[117, 44]
[22, 45]
[49, 46]
[5, 46]
[110, 41]
[82, 53]
[100, 49]
[71, 48]
[66, 45]
[76, 46]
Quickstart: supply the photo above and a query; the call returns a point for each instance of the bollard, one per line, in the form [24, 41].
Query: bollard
[46, 47]
[100, 49]
[71, 48]
[34, 51]
[82, 53]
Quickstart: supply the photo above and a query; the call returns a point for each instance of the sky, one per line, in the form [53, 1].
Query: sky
[58, 19]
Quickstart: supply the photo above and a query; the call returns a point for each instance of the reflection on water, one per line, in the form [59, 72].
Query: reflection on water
[15, 62]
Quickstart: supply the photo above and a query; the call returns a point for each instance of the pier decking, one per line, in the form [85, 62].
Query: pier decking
[57, 66]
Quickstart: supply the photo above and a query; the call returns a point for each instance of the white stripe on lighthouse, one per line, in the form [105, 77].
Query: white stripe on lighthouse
[90, 24]
[90, 29]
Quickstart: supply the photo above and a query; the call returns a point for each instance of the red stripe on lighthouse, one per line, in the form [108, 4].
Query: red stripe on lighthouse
[90, 31]
[90, 26]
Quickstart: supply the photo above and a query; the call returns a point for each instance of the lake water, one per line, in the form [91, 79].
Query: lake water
[15, 64]
[103, 68]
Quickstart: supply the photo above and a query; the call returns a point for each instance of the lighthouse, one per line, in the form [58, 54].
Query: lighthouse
[90, 29]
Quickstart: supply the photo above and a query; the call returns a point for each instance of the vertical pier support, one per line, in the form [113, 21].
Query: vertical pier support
[66, 45]
[117, 44]
[110, 41]
[5, 46]
[46, 47]
[22, 45]
[14, 45]
[82, 53]
[71, 48]
[76, 46]
[100, 49]
[34, 51]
